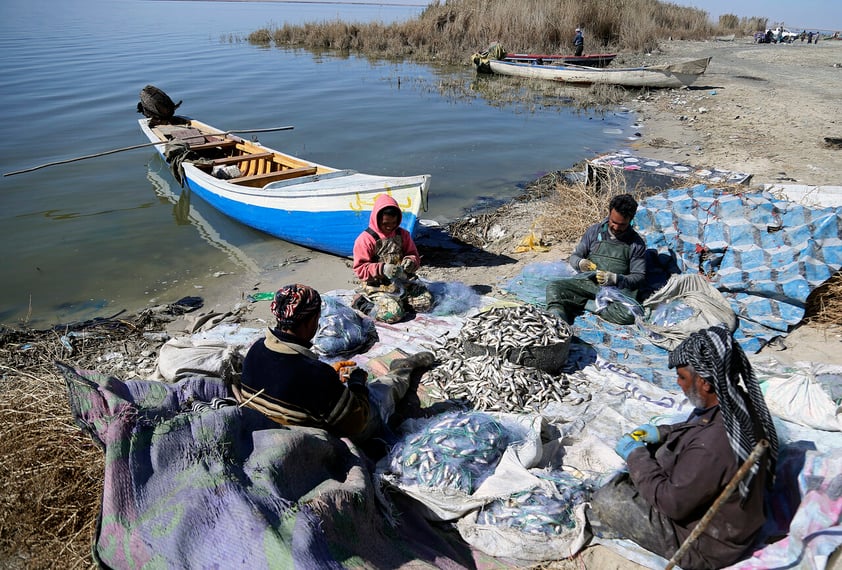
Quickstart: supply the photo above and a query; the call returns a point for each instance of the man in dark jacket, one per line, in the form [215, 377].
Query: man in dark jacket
[283, 379]
[610, 254]
[578, 42]
[676, 472]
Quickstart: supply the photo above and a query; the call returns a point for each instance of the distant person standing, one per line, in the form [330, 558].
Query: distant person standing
[809, 38]
[578, 42]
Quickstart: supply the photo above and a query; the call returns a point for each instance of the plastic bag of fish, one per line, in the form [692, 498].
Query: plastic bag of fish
[341, 329]
[455, 451]
[456, 462]
[544, 522]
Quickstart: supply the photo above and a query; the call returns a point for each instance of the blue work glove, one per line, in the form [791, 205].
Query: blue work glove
[647, 433]
[626, 445]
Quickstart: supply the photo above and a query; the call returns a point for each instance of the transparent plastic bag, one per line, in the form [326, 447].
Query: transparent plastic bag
[341, 329]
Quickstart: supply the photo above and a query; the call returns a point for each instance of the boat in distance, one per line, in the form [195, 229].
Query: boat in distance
[674, 75]
[588, 59]
[294, 199]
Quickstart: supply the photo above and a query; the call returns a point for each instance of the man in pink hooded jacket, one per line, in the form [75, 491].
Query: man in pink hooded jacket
[385, 260]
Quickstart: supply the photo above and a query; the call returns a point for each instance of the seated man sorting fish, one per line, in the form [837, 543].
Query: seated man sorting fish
[610, 254]
[385, 260]
[676, 472]
[283, 379]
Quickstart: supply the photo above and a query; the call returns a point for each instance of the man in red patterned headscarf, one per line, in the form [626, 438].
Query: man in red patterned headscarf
[283, 379]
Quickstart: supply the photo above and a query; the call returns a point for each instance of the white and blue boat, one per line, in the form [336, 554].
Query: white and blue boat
[296, 200]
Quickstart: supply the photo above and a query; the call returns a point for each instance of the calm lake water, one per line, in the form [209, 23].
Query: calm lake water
[94, 237]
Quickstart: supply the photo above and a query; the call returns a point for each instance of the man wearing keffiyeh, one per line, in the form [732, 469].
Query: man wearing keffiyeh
[283, 379]
[676, 472]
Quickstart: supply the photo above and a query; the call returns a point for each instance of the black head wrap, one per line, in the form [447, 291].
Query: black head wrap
[719, 360]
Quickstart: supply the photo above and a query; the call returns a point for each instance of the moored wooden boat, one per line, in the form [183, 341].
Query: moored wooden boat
[588, 59]
[656, 76]
[291, 198]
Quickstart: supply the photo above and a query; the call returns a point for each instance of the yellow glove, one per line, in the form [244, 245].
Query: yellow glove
[606, 277]
[587, 265]
[344, 368]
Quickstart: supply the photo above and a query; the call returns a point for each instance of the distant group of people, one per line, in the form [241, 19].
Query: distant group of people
[675, 472]
[781, 36]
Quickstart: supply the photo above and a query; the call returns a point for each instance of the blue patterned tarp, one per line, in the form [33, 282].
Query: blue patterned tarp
[763, 254]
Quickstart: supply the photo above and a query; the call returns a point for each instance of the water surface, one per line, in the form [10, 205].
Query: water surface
[97, 236]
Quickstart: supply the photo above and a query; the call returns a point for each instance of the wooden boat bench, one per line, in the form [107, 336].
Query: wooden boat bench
[241, 158]
[226, 143]
[258, 180]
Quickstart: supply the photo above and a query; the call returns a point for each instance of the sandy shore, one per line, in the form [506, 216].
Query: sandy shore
[759, 108]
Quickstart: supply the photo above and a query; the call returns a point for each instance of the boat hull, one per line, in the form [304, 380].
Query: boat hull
[325, 211]
[668, 76]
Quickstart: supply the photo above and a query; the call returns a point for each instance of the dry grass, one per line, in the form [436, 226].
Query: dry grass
[573, 206]
[824, 305]
[52, 475]
[450, 31]
[52, 472]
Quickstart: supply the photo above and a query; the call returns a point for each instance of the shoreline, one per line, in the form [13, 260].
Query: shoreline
[714, 124]
[725, 121]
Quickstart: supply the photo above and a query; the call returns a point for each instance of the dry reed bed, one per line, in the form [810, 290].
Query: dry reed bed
[52, 472]
[450, 31]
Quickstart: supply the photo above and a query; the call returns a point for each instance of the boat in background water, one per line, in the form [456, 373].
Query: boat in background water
[588, 59]
[296, 200]
[673, 75]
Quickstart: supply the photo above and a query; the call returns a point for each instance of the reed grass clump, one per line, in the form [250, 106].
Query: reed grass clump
[450, 31]
[573, 206]
[824, 304]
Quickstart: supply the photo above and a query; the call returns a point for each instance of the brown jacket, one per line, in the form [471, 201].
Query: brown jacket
[685, 474]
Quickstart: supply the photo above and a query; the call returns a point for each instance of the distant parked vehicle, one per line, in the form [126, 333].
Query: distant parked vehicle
[786, 35]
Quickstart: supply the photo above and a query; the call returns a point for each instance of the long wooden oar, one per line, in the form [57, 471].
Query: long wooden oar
[125, 148]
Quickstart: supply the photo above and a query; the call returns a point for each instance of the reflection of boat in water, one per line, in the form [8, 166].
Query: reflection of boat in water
[185, 213]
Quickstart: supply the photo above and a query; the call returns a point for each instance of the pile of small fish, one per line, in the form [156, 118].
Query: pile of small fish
[493, 382]
[490, 383]
[456, 450]
[509, 329]
[538, 511]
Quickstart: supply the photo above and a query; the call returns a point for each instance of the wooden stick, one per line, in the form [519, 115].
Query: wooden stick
[726, 493]
[253, 396]
[125, 148]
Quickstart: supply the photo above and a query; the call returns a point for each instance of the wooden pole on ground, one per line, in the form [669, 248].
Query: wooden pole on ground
[726, 493]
